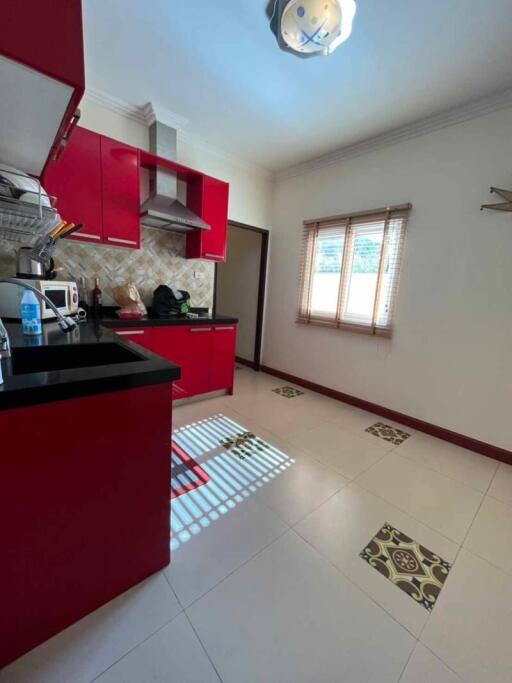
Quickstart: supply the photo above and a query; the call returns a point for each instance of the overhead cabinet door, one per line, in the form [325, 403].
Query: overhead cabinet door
[121, 193]
[75, 179]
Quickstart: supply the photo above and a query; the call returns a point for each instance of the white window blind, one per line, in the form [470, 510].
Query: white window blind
[349, 271]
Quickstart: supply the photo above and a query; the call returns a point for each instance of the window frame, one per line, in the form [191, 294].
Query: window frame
[347, 225]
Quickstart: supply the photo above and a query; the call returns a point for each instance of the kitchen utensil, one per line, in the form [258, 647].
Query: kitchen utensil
[29, 266]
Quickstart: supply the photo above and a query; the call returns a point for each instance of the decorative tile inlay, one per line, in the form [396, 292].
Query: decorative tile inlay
[160, 261]
[288, 392]
[388, 433]
[243, 444]
[413, 568]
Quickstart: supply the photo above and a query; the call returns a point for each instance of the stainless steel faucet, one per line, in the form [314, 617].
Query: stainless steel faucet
[66, 324]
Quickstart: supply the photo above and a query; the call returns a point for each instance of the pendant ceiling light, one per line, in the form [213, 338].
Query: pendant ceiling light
[311, 27]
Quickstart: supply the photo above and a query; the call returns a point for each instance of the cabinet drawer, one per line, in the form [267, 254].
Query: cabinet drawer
[142, 336]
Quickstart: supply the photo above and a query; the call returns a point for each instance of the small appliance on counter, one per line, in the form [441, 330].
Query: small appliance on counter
[63, 294]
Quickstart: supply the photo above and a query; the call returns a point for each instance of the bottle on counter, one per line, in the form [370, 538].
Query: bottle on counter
[96, 299]
[31, 313]
[83, 295]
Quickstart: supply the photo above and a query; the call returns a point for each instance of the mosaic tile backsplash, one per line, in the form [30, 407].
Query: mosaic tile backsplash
[159, 261]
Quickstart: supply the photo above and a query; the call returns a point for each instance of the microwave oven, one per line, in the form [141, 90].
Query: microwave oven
[64, 295]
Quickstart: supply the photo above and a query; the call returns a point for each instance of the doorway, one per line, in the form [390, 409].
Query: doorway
[240, 288]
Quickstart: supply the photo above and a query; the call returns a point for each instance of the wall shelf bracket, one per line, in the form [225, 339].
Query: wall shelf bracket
[501, 206]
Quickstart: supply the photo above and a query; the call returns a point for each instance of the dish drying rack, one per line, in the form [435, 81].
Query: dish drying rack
[22, 221]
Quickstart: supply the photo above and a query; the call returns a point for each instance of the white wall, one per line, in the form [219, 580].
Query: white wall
[250, 187]
[450, 360]
[238, 286]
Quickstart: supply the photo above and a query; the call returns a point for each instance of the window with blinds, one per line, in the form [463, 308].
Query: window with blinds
[350, 266]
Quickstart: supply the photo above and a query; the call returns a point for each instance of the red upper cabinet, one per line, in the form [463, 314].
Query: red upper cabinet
[121, 193]
[42, 76]
[96, 182]
[210, 200]
[75, 179]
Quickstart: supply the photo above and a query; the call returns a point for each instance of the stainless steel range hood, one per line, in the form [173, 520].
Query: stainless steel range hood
[162, 209]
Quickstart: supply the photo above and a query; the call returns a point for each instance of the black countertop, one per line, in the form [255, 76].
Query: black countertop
[112, 320]
[31, 388]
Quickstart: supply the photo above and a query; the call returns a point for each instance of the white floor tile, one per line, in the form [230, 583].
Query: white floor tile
[173, 655]
[340, 529]
[491, 533]
[89, 647]
[285, 417]
[465, 466]
[288, 615]
[301, 488]
[501, 486]
[469, 629]
[438, 501]
[340, 449]
[216, 550]
[425, 667]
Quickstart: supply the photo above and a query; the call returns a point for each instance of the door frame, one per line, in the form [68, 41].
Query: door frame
[255, 364]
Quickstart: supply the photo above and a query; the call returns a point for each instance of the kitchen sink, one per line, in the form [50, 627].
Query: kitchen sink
[62, 357]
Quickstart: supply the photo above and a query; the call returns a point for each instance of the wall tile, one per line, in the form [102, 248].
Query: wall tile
[159, 261]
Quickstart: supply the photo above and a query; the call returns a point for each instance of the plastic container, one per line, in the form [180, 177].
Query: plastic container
[31, 314]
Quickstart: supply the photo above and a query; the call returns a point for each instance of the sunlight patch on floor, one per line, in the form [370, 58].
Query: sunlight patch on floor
[235, 473]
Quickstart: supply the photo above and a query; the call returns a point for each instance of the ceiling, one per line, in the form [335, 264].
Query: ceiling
[216, 63]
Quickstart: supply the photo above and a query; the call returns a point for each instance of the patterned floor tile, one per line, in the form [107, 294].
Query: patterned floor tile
[413, 568]
[388, 433]
[243, 444]
[288, 392]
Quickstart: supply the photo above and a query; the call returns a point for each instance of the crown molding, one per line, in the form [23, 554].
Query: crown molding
[450, 117]
[150, 112]
[154, 112]
[116, 105]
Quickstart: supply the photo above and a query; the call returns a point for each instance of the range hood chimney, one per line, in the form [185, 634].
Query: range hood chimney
[162, 209]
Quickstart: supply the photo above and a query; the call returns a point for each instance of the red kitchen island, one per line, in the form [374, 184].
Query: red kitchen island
[85, 424]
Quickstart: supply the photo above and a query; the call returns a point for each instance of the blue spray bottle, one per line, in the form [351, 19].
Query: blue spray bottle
[31, 313]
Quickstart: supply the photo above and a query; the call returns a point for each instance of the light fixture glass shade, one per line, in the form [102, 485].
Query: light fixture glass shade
[316, 26]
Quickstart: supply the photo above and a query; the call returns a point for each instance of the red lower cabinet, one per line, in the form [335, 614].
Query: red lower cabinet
[84, 516]
[205, 353]
[222, 365]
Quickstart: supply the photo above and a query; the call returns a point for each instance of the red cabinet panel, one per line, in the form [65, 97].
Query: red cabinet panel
[38, 103]
[171, 343]
[121, 193]
[96, 182]
[222, 366]
[75, 179]
[199, 343]
[27, 28]
[84, 522]
[205, 353]
[211, 202]
[142, 336]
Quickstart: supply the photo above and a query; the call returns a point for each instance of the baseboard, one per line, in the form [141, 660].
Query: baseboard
[468, 442]
[243, 361]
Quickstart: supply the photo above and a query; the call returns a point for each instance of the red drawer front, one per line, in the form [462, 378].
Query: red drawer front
[142, 336]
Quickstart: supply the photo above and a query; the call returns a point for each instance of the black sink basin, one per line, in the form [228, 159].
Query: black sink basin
[48, 358]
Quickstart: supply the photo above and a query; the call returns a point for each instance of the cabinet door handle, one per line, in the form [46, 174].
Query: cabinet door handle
[126, 333]
[117, 240]
[86, 234]
[219, 257]
[64, 140]
[221, 329]
[200, 329]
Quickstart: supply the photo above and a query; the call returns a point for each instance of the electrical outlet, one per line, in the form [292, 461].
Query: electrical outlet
[198, 275]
